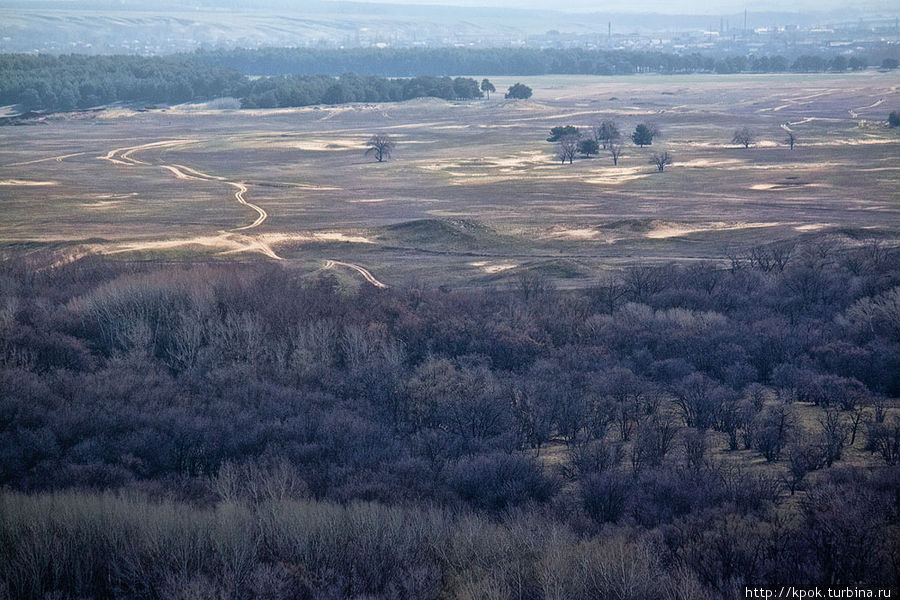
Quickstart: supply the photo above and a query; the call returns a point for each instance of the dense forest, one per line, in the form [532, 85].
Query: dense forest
[75, 81]
[407, 62]
[246, 431]
[302, 77]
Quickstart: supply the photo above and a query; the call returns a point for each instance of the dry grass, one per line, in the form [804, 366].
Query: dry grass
[485, 162]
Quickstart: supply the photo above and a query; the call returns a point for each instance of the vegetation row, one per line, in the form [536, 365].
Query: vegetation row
[245, 431]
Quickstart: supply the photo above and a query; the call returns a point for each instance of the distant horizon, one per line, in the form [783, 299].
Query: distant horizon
[659, 7]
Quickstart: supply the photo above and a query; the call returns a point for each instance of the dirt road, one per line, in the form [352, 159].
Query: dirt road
[123, 157]
[330, 264]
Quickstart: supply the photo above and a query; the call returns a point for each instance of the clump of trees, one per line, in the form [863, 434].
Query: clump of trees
[298, 90]
[518, 91]
[894, 119]
[561, 131]
[588, 147]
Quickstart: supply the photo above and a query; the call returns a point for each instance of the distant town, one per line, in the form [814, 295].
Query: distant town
[330, 26]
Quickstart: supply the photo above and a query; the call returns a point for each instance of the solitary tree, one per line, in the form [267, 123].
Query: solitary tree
[743, 137]
[588, 147]
[607, 133]
[519, 91]
[894, 119]
[487, 87]
[642, 136]
[661, 159]
[615, 150]
[380, 145]
[791, 139]
[562, 131]
[566, 147]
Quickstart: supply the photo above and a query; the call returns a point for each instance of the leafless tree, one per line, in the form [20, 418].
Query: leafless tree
[661, 159]
[381, 146]
[743, 137]
[615, 150]
[771, 257]
[791, 139]
[566, 148]
[833, 436]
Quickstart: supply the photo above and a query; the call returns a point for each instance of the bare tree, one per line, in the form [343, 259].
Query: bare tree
[791, 138]
[566, 148]
[743, 137]
[381, 146]
[615, 150]
[661, 159]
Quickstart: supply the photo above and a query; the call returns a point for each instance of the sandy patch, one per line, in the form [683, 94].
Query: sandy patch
[116, 113]
[812, 227]
[337, 236]
[653, 230]
[670, 230]
[102, 205]
[573, 234]
[25, 183]
[491, 268]
[618, 175]
[700, 163]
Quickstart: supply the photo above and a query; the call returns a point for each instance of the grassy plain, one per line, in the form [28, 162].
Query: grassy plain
[473, 193]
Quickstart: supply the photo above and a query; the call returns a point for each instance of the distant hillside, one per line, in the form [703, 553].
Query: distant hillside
[113, 27]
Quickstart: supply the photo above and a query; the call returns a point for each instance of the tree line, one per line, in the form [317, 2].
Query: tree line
[302, 77]
[70, 82]
[685, 405]
[408, 62]
[43, 82]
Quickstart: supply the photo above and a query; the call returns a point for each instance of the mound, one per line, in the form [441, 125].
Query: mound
[553, 269]
[437, 231]
[633, 225]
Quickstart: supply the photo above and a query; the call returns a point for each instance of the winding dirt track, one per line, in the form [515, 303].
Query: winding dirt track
[123, 157]
[180, 171]
[854, 111]
[330, 264]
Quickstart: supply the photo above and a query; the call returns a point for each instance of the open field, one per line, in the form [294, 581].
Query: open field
[473, 194]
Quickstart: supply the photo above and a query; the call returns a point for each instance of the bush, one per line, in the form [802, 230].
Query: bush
[498, 482]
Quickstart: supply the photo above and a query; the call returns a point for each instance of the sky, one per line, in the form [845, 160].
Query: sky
[889, 8]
